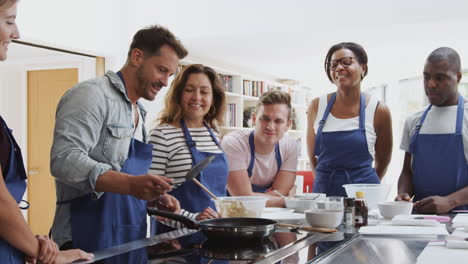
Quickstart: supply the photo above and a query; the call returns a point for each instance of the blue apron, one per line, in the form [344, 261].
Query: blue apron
[113, 219]
[343, 156]
[439, 165]
[279, 162]
[15, 180]
[214, 176]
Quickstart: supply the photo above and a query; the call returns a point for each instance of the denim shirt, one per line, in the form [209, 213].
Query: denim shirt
[93, 128]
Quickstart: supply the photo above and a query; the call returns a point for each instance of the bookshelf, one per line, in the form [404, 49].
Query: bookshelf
[242, 93]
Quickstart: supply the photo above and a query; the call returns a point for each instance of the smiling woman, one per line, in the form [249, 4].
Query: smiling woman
[347, 130]
[16, 239]
[187, 133]
[8, 28]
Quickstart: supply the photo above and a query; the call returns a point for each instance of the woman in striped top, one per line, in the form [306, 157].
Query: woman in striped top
[187, 133]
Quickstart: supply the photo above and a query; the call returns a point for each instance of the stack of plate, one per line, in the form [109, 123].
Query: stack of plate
[283, 215]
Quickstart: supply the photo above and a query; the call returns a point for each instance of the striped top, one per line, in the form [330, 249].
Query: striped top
[172, 158]
[171, 155]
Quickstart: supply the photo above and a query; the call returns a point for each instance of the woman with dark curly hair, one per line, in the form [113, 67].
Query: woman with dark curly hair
[347, 130]
[186, 134]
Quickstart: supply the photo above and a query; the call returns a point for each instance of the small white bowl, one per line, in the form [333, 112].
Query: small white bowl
[311, 196]
[324, 218]
[390, 209]
[299, 205]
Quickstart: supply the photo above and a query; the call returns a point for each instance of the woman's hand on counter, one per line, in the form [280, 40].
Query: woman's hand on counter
[168, 203]
[208, 213]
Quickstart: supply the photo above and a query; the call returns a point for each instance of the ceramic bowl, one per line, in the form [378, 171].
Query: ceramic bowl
[311, 196]
[324, 218]
[299, 205]
[390, 209]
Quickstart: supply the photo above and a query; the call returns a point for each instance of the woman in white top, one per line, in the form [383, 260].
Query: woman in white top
[347, 130]
[188, 133]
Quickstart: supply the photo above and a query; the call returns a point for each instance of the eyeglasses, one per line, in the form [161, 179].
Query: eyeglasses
[345, 62]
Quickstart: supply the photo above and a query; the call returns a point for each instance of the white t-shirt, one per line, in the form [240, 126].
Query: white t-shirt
[237, 149]
[439, 120]
[138, 132]
[337, 124]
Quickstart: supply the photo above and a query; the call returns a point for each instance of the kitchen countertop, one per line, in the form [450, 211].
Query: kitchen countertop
[285, 245]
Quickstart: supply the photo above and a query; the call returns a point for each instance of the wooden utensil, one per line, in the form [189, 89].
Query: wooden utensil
[204, 188]
[309, 228]
[192, 173]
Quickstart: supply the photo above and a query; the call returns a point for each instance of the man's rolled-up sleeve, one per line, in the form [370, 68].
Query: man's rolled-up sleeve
[79, 120]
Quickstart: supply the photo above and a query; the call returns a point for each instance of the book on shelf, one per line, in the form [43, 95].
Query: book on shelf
[230, 115]
[253, 88]
[226, 81]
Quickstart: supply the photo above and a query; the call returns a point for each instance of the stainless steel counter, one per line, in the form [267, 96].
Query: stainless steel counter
[287, 246]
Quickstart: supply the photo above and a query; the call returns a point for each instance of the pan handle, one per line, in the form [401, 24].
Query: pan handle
[189, 223]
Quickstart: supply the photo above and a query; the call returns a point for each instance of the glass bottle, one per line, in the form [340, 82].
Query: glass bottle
[349, 212]
[361, 210]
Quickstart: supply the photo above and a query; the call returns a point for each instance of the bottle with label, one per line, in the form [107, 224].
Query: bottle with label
[361, 210]
[349, 212]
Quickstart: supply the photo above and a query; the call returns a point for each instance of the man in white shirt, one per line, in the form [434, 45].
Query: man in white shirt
[265, 159]
[435, 168]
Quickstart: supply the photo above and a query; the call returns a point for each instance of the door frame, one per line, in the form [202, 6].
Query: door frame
[49, 63]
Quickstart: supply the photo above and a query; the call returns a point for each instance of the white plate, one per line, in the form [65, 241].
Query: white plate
[288, 218]
[271, 210]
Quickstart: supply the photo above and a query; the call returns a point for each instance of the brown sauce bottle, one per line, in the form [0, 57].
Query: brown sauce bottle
[361, 210]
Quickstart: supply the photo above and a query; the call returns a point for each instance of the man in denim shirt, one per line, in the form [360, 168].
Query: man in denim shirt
[96, 123]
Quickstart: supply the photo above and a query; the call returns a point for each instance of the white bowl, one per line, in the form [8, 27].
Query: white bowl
[390, 209]
[311, 196]
[299, 205]
[373, 193]
[275, 210]
[240, 206]
[324, 218]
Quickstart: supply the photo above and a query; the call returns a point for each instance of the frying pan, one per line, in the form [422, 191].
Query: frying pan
[225, 228]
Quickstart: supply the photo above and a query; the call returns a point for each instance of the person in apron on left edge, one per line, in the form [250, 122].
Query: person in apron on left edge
[100, 157]
[17, 243]
[435, 168]
[188, 133]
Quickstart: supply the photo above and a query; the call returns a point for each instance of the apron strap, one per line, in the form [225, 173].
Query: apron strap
[460, 112]
[279, 160]
[417, 129]
[188, 139]
[191, 143]
[362, 112]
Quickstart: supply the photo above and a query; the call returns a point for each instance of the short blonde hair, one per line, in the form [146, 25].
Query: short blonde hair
[172, 111]
[7, 3]
[275, 97]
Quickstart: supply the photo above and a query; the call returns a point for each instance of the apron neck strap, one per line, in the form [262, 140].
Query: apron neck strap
[192, 145]
[460, 112]
[279, 160]
[362, 112]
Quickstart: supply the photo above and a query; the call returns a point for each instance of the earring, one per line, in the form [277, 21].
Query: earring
[362, 75]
